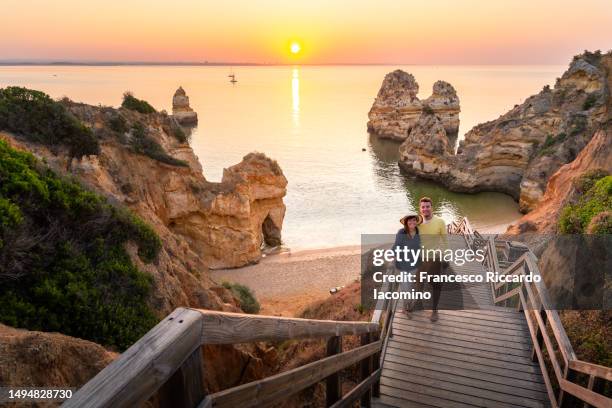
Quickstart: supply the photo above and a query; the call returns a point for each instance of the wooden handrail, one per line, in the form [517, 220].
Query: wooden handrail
[279, 386]
[149, 364]
[536, 306]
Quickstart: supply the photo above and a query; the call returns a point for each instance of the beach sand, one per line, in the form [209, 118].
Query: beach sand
[286, 282]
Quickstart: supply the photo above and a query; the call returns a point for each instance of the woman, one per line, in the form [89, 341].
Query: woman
[408, 237]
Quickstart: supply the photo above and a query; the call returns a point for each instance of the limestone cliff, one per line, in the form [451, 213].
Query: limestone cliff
[201, 224]
[561, 189]
[397, 109]
[518, 152]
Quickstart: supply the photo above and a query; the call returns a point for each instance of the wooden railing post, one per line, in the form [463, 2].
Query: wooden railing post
[333, 391]
[185, 389]
[567, 400]
[539, 335]
[376, 366]
[366, 370]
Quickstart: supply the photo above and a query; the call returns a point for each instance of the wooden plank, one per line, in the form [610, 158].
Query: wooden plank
[517, 368]
[516, 323]
[185, 389]
[352, 396]
[206, 402]
[473, 393]
[280, 386]
[404, 389]
[232, 328]
[464, 330]
[462, 371]
[458, 343]
[586, 395]
[399, 397]
[510, 294]
[591, 369]
[416, 316]
[477, 342]
[142, 369]
[332, 383]
[496, 384]
[387, 401]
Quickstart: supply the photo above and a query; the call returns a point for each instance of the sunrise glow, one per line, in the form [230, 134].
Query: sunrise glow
[295, 48]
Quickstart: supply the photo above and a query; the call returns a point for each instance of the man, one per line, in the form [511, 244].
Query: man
[433, 236]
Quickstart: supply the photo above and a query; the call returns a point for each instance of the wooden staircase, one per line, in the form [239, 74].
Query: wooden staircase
[498, 345]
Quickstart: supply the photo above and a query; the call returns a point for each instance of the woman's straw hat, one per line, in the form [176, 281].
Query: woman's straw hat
[411, 215]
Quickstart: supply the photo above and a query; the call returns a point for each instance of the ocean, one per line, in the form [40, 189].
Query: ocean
[312, 120]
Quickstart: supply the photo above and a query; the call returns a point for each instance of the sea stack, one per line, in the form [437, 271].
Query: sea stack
[181, 110]
[518, 152]
[397, 109]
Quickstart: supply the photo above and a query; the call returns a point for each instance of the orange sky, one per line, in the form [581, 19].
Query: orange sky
[332, 31]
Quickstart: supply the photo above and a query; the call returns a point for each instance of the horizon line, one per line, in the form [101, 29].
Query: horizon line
[236, 64]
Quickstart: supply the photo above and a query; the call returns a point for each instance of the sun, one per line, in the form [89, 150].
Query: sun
[295, 47]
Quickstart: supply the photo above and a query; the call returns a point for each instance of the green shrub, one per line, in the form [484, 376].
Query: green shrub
[132, 103]
[548, 146]
[118, 124]
[144, 144]
[575, 218]
[179, 134]
[248, 303]
[38, 118]
[63, 262]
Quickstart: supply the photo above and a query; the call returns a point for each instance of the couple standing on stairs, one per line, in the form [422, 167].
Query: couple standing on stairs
[428, 231]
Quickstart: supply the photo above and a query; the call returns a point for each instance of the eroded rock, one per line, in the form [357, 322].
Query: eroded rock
[181, 110]
[397, 109]
[518, 152]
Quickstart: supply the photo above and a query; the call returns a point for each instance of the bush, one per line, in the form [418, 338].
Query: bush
[132, 103]
[575, 218]
[550, 142]
[118, 124]
[63, 262]
[144, 144]
[38, 118]
[248, 303]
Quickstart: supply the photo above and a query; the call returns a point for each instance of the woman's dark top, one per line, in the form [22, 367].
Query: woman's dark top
[403, 239]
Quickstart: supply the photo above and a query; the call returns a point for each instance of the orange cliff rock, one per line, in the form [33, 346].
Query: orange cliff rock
[518, 152]
[201, 224]
[561, 188]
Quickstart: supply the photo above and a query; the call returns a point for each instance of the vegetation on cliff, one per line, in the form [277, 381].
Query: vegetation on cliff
[248, 302]
[35, 116]
[139, 105]
[144, 144]
[63, 261]
[592, 212]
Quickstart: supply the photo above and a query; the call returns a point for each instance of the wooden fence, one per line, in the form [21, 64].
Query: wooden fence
[167, 361]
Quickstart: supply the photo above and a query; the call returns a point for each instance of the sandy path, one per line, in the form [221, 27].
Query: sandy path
[286, 282]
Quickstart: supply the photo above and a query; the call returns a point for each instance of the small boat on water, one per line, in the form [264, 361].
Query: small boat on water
[232, 77]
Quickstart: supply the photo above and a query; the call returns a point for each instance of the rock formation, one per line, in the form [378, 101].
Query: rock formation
[518, 152]
[201, 224]
[561, 187]
[397, 108]
[38, 359]
[181, 110]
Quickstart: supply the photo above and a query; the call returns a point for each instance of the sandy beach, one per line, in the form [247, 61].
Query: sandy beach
[284, 283]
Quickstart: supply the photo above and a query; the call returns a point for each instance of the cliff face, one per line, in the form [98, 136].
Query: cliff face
[518, 152]
[181, 110]
[397, 109]
[37, 359]
[561, 188]
[201, 224]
